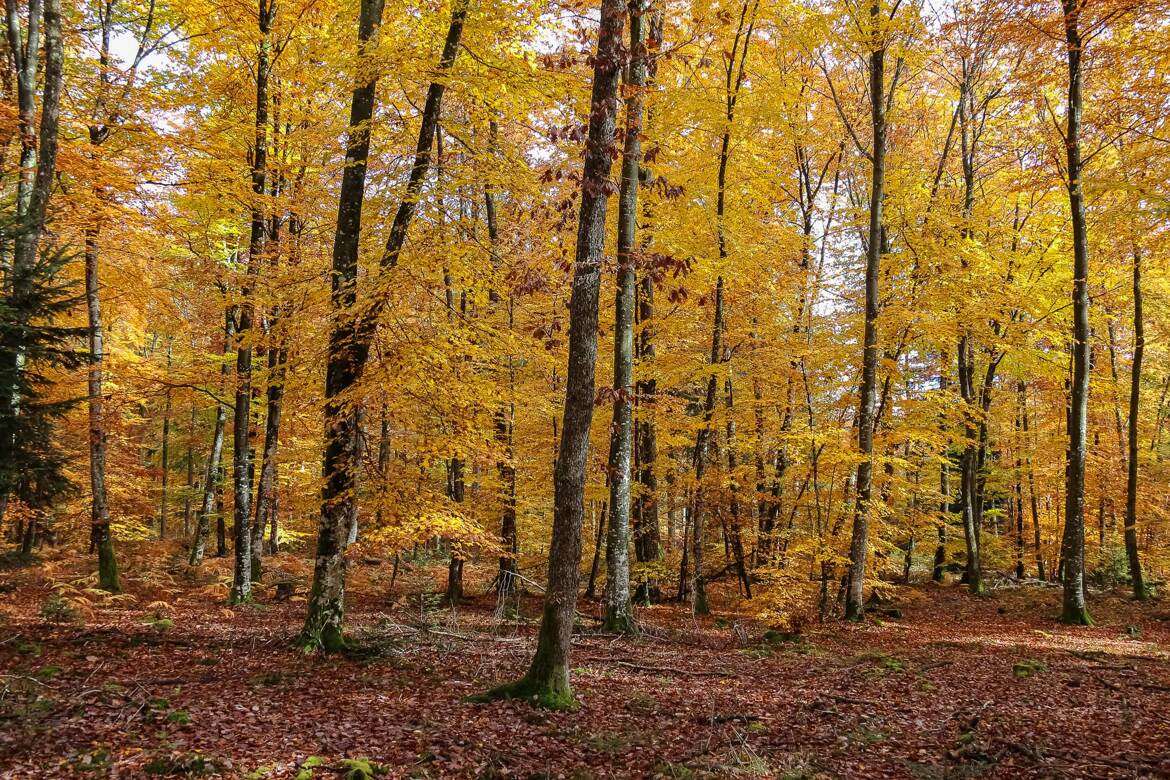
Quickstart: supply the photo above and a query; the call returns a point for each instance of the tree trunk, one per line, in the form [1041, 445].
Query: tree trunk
[190, 489]
[859, 544]
[165, 456]
[266, 490]
[99, 503]
[1135, 391]
[647, 533]
[349, 343]
[1073, 541]
[619, 616]
[242, 419]
[547, 679]
[702, 444]
[211, 471]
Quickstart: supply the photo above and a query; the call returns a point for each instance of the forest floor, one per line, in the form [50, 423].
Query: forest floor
[165, 680]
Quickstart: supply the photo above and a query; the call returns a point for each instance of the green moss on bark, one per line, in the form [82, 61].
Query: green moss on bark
[549, 697]
[1074, 616]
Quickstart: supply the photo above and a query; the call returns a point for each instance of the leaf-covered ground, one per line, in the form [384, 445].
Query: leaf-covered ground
[943, 686]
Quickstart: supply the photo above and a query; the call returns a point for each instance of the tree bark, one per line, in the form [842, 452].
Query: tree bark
[1073, 541]
[547, 679]
[859, 543]
[619, 616]
[1135, 392]
[349, 344]
[211, 471]
[242, 419]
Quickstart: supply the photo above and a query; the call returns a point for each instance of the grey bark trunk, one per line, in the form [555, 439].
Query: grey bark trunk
[859, 542]
[547, 679]
[619, 615]
[242, 419]
[211, 471]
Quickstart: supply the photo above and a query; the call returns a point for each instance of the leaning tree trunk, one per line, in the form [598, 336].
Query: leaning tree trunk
[1073, 542]
[1135, 391]
[859, 544]
[619, 615]
[353, 332]
[547, 679]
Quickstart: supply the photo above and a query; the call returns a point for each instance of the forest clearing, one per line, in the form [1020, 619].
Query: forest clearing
[585, 388]
[945, 686]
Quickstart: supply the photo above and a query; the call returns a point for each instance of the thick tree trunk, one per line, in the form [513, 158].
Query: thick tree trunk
[1073, 541]
[38, 163]
[859, 543]
[547, 679]
[1135, 392]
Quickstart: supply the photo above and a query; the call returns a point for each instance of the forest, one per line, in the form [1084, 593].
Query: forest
[585, 388]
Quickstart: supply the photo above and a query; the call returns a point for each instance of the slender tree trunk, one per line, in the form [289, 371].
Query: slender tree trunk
[647, 532]
[735, 531]
[595, 566]
[547, 679]
[266, 490]
[859, 544]
[190, 490]
[619, 616]
[1135, 391]
[508, 575]
[1033, 500]
[211, 471]
[242, 419]
[968, 469]
[99, 503]
[702, 445]
[165, 457]
[944, 489]
[1073, 542]
[455, 492]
